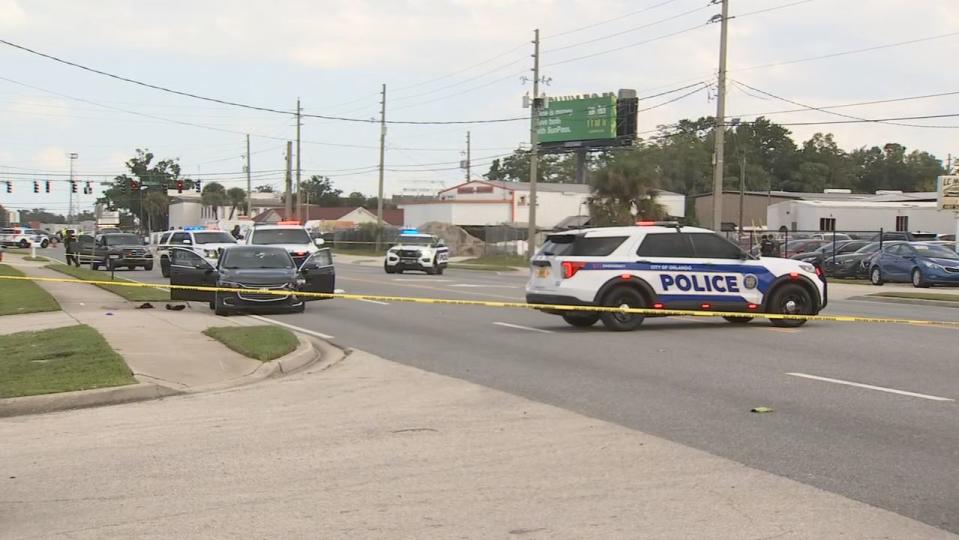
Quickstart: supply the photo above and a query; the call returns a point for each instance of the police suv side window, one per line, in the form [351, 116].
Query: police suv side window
[667, 245]
[710, 246]
[164, 238]
[597, 246]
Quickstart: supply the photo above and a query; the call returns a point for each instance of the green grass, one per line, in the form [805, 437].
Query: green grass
[133, 294]
[19, 297]
[59, 360]
[262, 343]
[920, 296]
[493, 262]
[849, 281]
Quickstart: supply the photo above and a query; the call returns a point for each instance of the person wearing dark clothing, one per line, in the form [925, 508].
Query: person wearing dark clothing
[767, 248]
[236, 232]
[72, 247]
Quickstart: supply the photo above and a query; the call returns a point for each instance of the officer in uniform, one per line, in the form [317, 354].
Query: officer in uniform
[72, 245]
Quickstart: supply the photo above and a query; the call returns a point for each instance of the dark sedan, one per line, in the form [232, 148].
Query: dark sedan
[255, 268]
[841, 247]
[850, 265]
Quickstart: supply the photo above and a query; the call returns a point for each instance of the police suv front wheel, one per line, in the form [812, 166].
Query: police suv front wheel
[790, 299]
[623, 297]
[738, 320]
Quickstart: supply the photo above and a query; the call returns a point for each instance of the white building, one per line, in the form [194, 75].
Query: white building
[480, 202]
[186, 209]
[860, 215]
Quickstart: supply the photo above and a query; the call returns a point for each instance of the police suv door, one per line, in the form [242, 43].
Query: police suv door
[319, 273]
[729, 276]
[189, 269]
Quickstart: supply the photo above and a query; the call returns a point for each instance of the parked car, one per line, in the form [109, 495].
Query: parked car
[904, 236]
[24, 237]
[205, 242]
[806, 245]
[120, 250]
[852, 264]
[251, 267]
[817, 256]
[922, 264]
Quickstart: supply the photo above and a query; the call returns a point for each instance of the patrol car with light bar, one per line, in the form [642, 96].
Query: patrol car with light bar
[662, 266]
[203, 241]
[417, 251]
[287, 234]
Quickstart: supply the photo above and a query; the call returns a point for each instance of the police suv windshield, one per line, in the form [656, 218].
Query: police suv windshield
[268, 237]
[251, 258]
[579, 245]
[416, 240]
[213, 237]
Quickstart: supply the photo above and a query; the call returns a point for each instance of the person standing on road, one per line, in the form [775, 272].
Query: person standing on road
[766, 246]
[71, 246]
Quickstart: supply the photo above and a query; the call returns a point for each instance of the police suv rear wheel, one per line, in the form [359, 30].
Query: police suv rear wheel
[581, 320]
[622, 297]
[738, 320]
[790, 299]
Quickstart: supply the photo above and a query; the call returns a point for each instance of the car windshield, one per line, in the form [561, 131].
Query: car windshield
[238, 259]
[939, 252]
[122, 240]
[415, 240]
[268, 237]
[868, 248]
[213, 237]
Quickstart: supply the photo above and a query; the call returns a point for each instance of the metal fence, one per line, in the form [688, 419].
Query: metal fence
[777, 243]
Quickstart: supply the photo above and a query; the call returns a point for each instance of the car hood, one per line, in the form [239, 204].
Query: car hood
[214, 246]
[127, 246]
[255, 276]
[942, 262]
[309, 248]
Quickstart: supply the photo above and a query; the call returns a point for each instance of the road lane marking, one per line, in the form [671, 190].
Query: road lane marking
[291, 327]
[377, 302]
[426, 287]
[870, 387]
[338, 291]
[518, 327]
[425, 280]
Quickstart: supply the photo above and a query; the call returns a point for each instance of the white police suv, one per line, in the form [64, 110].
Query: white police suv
[417, 251]
[287, 234]
[660, 265]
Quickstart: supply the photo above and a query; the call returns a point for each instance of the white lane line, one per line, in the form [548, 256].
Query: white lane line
[424, 280]
[870, 387]
[372, 302]
[338, 291]
[518, 327]
[291, 327]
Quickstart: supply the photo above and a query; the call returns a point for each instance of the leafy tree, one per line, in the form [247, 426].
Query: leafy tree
[556, 168]
[319, 190]
[156, 206]
[41, 215]
[150, 176]
[237, 198]
[624, 190]
[214, 195]
[86, 215]
[355, 199]
[264, 188]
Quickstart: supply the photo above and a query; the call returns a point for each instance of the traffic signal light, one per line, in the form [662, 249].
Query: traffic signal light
[47, 186]
[179, 186]
[134, 186]
[36, 186]
[88, 189]
[73, 186]
[196, 185]
[9, 187]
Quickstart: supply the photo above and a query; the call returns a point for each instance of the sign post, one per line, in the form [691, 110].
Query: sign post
[947, 196]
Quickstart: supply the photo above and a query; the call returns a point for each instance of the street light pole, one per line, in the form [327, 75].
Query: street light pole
[720, 129]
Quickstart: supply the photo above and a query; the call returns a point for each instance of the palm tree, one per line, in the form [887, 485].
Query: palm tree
[214, 195]
[237, 197]
[624, 190]
[155, 205]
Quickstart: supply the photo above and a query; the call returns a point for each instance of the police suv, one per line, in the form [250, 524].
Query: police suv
[416, 251]
[662, 266]
[287, 234]
[208, 243]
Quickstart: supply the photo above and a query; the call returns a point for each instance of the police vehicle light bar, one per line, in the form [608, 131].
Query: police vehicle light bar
[409, 231]
[657, 223]
[288, 222]
[194, 228]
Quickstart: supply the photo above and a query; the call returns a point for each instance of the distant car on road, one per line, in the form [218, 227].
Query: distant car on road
[205, 242]
[24, 237]
[251, 267]
[118, 250]
[922, 264]
[417, 251]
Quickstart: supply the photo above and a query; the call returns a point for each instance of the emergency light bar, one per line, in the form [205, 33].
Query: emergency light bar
[409, 231]
[290, 222]
[657, 224]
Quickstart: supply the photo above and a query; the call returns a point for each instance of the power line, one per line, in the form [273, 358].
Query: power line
[774, 8]
[614, 19]
[463, 70]
[843, 115]
[675, 99]
[872, 120]
[858, 104]
[636, 44]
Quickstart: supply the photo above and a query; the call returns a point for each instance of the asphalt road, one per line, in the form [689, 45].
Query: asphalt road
[893, 444]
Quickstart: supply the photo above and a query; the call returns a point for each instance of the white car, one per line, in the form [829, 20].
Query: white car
[660, 265]
[24, 237]
[416, 251]
[287, 234]
[207, 243]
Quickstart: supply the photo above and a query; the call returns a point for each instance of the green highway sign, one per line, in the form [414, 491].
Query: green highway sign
[578, 119]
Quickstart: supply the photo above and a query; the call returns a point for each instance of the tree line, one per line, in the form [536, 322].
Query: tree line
[679, 159]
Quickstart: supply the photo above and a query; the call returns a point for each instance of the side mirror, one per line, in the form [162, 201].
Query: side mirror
[319, 241]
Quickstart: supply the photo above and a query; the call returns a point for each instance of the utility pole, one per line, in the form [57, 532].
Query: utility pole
[534, 149]
[379, 196]
[288, 199]
[298, 123]
[468, 164]
[720, 130]
[742, 190]
[249, 186]
[73, 156]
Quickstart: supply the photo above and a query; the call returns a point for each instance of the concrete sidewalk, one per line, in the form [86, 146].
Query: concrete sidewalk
[160, 346]
[374, 449]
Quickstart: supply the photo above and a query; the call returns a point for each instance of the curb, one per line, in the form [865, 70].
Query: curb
[82, 399]
[910, 301]
[310, 352]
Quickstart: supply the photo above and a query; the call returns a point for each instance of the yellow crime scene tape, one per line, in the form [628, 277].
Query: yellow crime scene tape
[513, 305]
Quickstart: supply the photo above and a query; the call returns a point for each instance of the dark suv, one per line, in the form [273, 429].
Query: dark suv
[116, 250]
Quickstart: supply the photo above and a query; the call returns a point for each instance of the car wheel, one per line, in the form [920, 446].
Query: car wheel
[299, 309]
[44, 244]
[219, 308]
[148, 267]
[24, 243]
[439, 270]
[387, 269]
[790, 299]
[212, 305]
[164, 269]
[623, 297]
[94, 266]
[581, 320]
[738, 320]
[875, 276]
[918, 281]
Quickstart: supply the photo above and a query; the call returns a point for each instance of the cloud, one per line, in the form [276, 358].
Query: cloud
[11, 14]
[51, 158]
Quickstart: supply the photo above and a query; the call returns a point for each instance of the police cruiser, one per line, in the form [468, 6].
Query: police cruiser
[287, 234]
[416, 251]
[660, 265]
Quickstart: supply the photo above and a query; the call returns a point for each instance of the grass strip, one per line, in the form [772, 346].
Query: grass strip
[945, 297]
[262, 343]
[59, 360]
[19, 297]
[133, 294]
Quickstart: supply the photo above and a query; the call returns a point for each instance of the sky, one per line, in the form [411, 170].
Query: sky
[442, 60]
